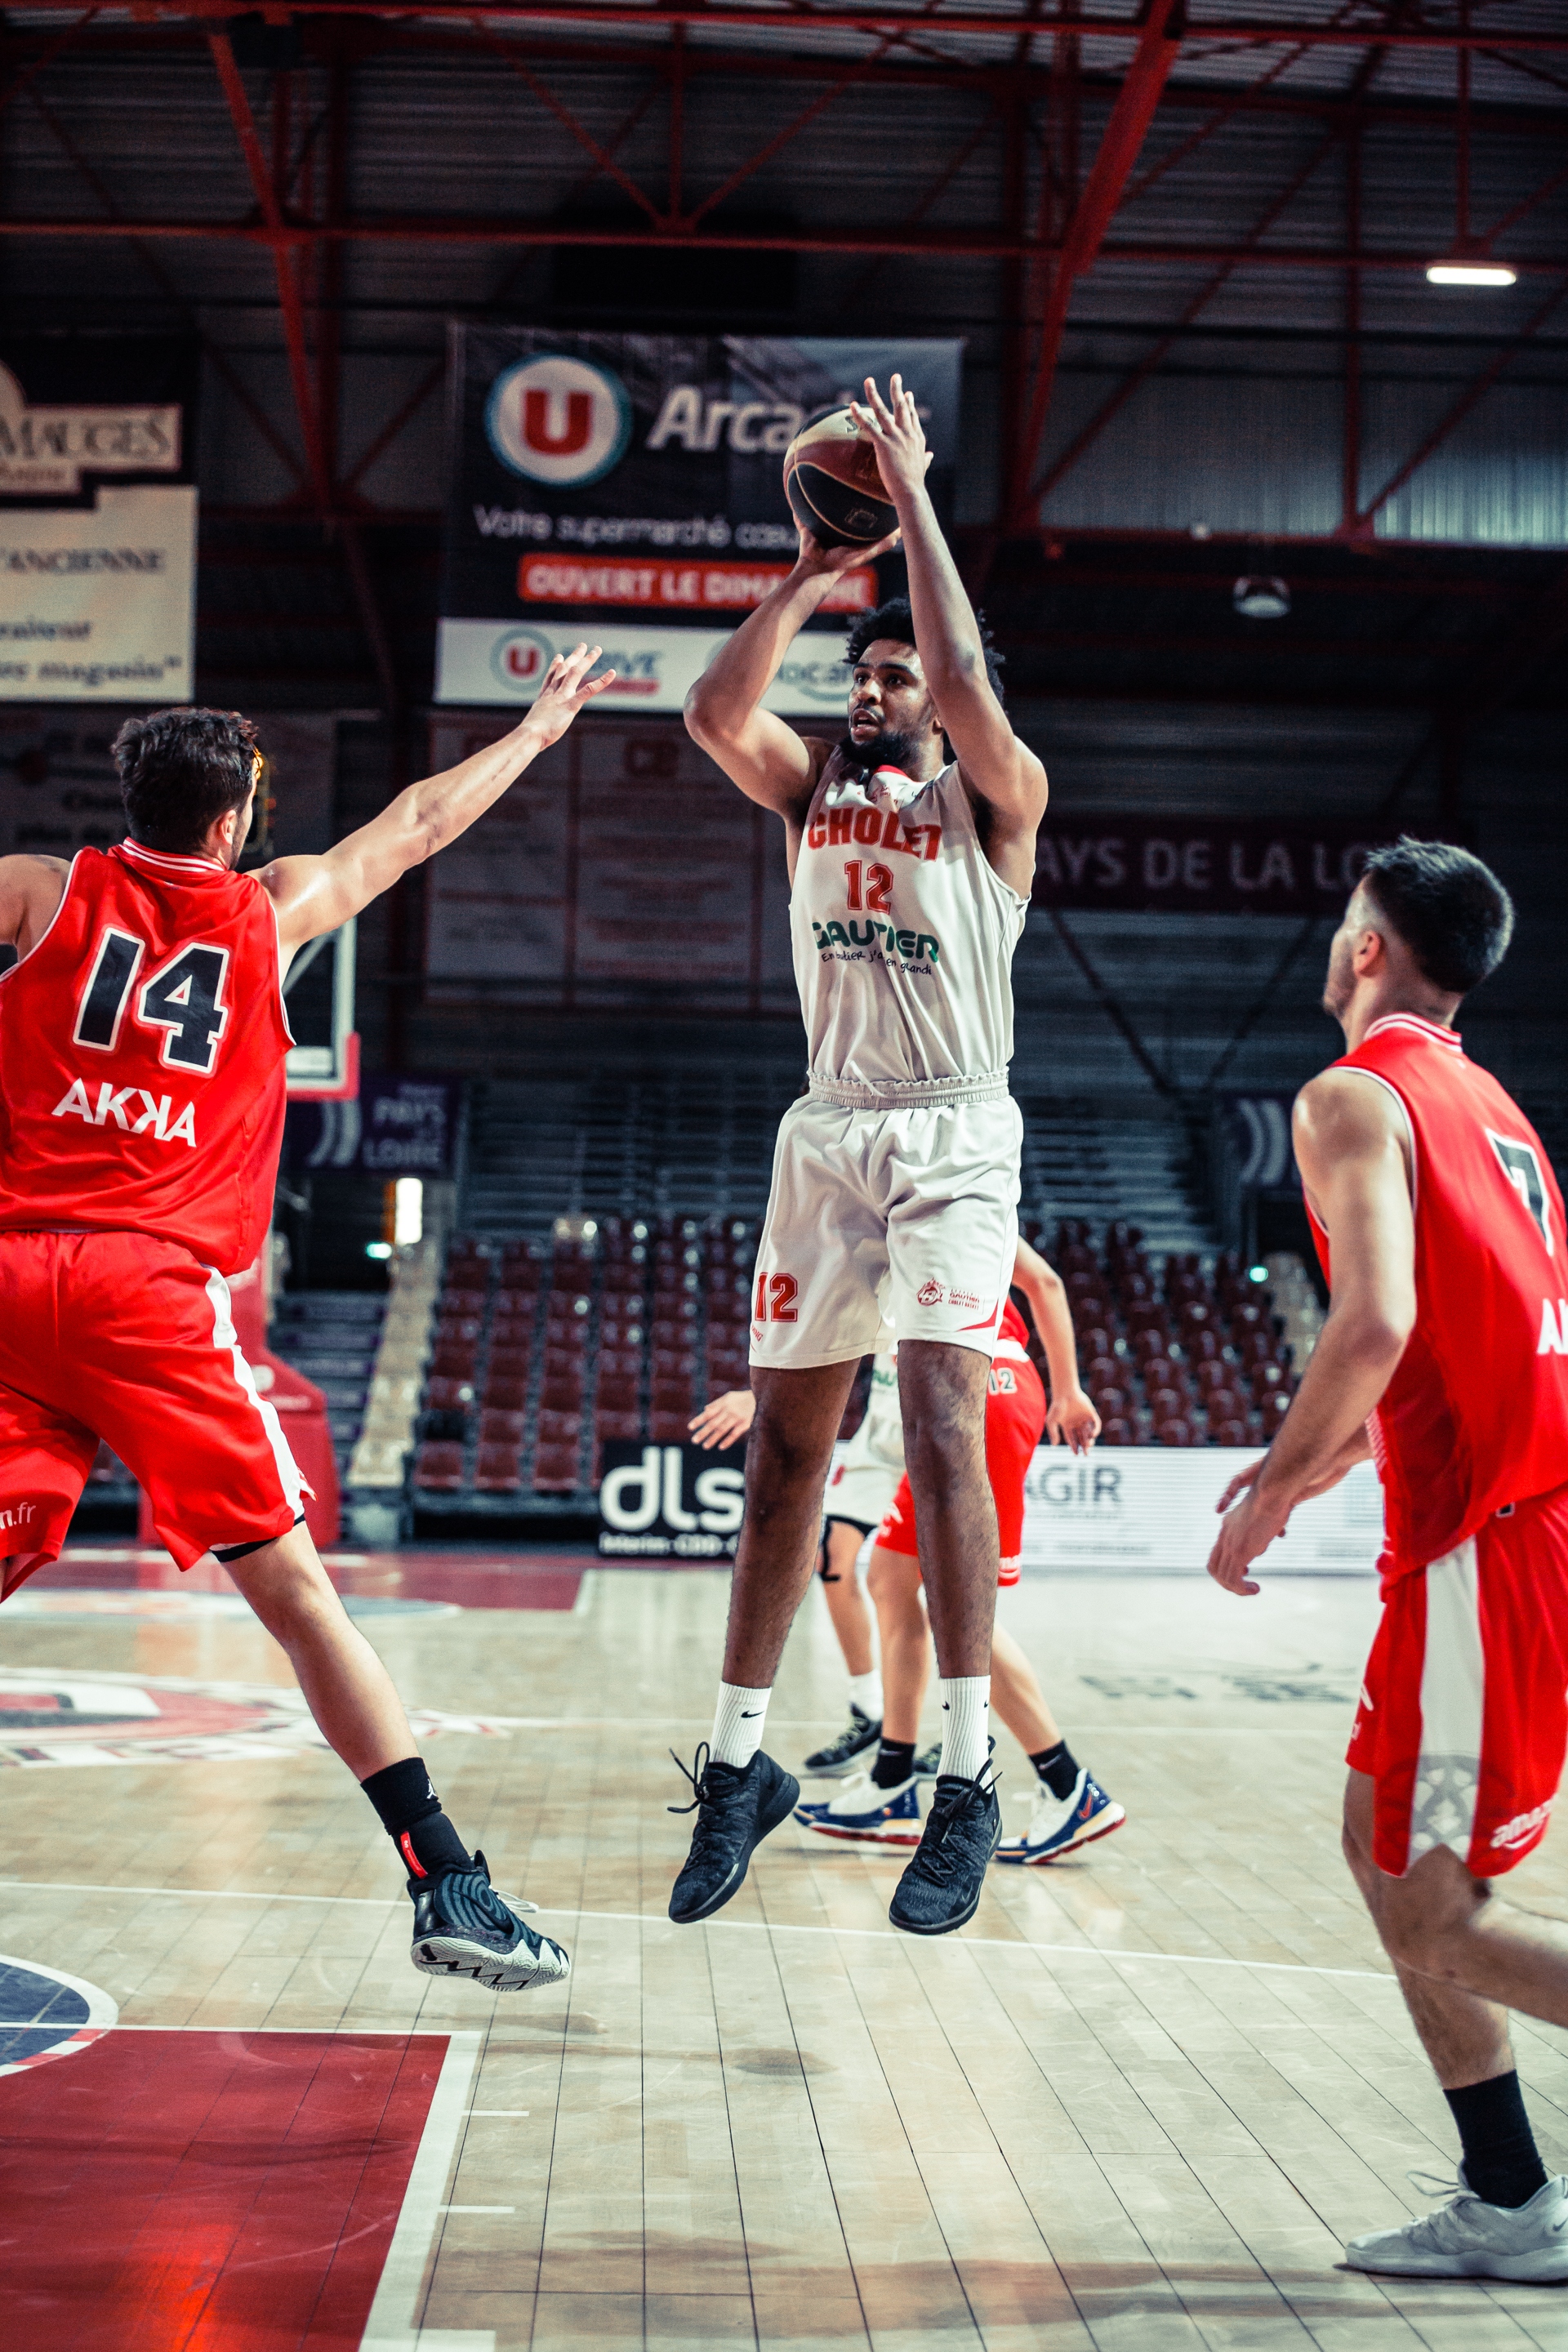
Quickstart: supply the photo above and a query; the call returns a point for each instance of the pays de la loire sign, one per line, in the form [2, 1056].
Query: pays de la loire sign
[46, 450]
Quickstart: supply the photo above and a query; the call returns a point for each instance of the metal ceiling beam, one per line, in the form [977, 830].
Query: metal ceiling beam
[1000, 77]
[1120, 144]
[866, 16]
[897, 238]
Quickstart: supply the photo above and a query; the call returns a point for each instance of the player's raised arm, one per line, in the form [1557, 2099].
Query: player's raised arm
[1351, 1146]
[1001, 771]
[771, 764]
[313, 894]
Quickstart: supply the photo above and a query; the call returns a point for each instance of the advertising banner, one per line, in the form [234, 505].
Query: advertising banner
[1148, 1510]
[670, 1502]
[622, 863]
[395, 1127]
[97, 604]
[629, 487]
[1144, 865]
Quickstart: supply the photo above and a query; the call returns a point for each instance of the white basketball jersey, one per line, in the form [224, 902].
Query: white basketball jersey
[878, 1443]
[903, 934]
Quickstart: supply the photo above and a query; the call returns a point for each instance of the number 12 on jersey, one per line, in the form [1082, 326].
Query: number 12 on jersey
[878, 887]
[776, 1295]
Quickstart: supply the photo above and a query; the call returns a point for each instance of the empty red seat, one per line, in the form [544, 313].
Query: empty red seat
[510, 1363]
[456, 1358]
[512, 1331]
[1116, 1431]
[629, 1360]
[458, 1329]
[555, 1466]
[439, 1465]
[505, 1396]
[561, 1395]
[443, 1394]
[617, 1390]
[558, 1423]
[669, 1428]
[1229, 1433]
[618, 1424]
[498, 1470]
[1173, 1432]
[501, 1426]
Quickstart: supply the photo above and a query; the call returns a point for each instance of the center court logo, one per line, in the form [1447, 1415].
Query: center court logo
[558, 420]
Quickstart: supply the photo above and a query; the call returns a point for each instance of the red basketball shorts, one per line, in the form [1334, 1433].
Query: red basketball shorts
[1462, 1721]
[123, 1337]
[1014, 1417]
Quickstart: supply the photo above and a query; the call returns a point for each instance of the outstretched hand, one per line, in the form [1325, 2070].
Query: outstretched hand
[566, 690]
[894, 430]
[725, 1419]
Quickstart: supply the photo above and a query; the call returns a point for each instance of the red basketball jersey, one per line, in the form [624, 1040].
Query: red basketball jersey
[1476, 1415]
[141, 1045]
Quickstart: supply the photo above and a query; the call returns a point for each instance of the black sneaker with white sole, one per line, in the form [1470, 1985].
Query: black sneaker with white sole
[837, 1760]
[940, 1890]
[735, 1810]
[462, 1927]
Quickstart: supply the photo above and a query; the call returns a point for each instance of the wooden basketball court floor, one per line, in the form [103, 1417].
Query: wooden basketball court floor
[1136, 2105]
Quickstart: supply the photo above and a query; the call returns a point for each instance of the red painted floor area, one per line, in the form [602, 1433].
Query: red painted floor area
[208, 2192]
[473, 1580]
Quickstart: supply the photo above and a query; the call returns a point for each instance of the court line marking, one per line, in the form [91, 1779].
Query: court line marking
[392, 2324]
[752, 1927]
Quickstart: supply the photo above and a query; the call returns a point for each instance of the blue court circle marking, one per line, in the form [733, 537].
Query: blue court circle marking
[45, 2014]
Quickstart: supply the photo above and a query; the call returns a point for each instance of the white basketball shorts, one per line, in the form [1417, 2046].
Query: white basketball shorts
[888, 1223]
[859, 1492]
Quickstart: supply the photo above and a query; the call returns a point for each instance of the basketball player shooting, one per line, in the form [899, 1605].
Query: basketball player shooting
[1445, 1357]
[142, 1038]
[912, 855]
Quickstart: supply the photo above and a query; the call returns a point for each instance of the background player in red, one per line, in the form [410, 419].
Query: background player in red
[142, 1038]
[1445, 1355]
[1070, 1808]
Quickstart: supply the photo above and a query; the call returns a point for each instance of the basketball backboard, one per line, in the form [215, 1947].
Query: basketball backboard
[319, 991]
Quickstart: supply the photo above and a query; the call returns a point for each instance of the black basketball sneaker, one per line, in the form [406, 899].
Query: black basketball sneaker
[940, 1890]
[837, 1759]
[735, 1810]
[462, 1927]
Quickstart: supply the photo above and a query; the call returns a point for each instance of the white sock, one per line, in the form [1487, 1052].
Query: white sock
[966, 1723]
[737, 1724]
[866, 1692]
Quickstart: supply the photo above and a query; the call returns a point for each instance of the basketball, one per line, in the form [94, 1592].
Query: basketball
[833, 486]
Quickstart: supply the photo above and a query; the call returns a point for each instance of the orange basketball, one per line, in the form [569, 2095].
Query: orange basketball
[833, 486]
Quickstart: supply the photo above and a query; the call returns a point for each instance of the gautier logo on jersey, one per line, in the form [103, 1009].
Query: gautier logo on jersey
[114, 1107]
[559, 420]
[908, 947]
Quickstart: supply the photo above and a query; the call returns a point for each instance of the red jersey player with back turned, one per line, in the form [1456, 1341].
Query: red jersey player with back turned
[143, 1036]
[1445, 1355]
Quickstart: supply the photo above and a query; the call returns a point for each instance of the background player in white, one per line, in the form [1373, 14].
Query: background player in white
[896, 1178]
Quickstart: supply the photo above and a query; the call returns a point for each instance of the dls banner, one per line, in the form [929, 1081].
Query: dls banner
[629, 488]
[670, 1502]
[1149, 1510]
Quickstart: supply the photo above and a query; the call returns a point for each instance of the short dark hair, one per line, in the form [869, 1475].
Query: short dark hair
[1450, 911]
[894, 619]
[179, 771]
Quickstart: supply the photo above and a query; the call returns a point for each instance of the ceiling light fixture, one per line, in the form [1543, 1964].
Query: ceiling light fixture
[1470, 273]
[1261, 600]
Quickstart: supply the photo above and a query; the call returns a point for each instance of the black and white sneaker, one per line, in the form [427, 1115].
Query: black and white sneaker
[835, 1761]
[928, 1763]
[462, 1927]
[735, 1810]
[940, 1890]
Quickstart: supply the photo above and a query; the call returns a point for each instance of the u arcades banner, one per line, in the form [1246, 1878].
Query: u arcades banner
[629, 488]
[1145, 864]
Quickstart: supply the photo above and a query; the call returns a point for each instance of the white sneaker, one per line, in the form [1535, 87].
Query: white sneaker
[1467, 2239]
[1057, 1825]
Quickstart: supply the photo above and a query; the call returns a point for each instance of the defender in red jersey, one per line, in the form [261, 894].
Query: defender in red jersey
[1069, 1807]
[1444, 1356]
[142, 1037]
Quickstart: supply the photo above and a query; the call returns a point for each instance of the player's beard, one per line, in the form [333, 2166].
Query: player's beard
[891, 746]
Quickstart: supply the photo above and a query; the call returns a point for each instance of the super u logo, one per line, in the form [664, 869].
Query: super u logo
[554, 419]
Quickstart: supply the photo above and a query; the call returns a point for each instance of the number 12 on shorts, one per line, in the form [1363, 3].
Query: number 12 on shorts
[777, 1295]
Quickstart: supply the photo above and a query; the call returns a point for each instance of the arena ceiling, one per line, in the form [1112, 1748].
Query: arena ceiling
[1206, 224]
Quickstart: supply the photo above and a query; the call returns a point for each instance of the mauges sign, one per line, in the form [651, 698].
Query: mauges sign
[45, 448]
[1146, 864]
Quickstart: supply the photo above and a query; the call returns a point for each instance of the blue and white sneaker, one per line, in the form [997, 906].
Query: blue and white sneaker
[863, 1814]
[1057, 1825]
